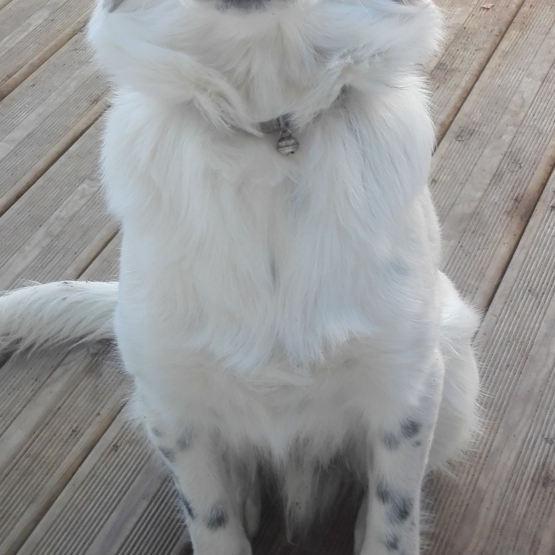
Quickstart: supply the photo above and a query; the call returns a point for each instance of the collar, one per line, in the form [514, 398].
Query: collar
[287, 143]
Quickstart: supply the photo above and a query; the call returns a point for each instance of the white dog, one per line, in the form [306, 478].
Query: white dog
[278, 311]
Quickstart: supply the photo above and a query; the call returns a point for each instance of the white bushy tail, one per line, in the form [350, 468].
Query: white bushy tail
[55, 313]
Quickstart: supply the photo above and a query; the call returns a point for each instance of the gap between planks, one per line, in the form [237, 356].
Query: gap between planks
[46, 116]
[34, 32]
[503, 500]
[490, 169]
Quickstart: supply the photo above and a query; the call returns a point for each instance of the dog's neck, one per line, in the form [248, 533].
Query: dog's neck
[240, 70]
[279, 70]
[287, 143]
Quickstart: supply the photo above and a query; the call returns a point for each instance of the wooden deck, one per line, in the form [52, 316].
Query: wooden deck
[76, 478]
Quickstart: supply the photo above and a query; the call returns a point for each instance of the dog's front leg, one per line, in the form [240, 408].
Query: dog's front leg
[390, 514]
[212, 507]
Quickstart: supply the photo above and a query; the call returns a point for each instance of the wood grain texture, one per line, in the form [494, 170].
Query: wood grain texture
[45, 115]
[120, 500]
[491, 167]
[58, 227]
[473, 33]
[51, 440]
[31, 32]
[130, 508]
[504, 499]
[4, 3]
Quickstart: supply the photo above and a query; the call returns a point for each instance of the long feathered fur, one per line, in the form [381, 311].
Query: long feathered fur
[284, 313]
[54, 313]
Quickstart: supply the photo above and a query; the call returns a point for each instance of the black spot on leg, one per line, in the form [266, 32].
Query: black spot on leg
[417, 443]
[391, 441]
[216, 518]
[410, 428]
[185, 439]
[392, 542]
[168, 454]
[401, 509]
[382, 491]
[157, 432]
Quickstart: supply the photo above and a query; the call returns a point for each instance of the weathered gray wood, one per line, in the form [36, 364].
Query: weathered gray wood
[495, 159]
[473, 34]
[53, 408]
[96, 513]
[31, 32]
[503, 500]
[44, 116]
[58, 227]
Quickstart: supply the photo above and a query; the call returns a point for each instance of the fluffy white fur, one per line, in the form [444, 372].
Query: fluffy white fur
[284, 313]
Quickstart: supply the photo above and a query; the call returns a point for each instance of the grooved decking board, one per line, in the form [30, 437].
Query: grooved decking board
[45, 115]
[60, 223]
[49, 441]
[504, 499]
[4, 3]
[48, 429]
[495, 159]
[105, 266]
[120, 501]
[473, 34]
[31, 31]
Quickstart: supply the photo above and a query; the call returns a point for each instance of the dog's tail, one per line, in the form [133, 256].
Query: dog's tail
[55, 313]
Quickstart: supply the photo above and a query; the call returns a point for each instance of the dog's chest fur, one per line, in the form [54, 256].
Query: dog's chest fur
[247, 252]
[258, 274]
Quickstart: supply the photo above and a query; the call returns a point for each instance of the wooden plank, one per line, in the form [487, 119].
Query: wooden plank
[4, 3]
[51, 439]
[60, 223]
[31, 32]
[56, 407]
[495, 159]
[46, 115]
[121, 500]
[41, 379]
[106, 265]
[473, 35]
[48, 429]
[503, 500]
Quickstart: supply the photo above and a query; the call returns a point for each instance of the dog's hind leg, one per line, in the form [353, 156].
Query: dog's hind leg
[214, 512]
[458, 418]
